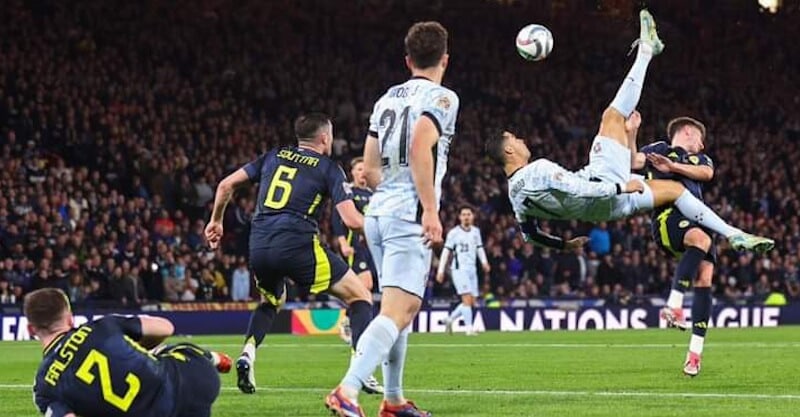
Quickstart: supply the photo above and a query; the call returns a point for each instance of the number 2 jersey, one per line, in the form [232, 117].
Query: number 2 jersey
[392, 122]
[293, 184]
[98, 369]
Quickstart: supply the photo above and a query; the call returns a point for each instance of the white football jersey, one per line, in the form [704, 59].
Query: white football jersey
[464, 244]
[392, 121]
[545, 190]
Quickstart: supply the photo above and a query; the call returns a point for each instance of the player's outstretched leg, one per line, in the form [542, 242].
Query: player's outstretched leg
[667, 192]
[701, 311]
[260, 323]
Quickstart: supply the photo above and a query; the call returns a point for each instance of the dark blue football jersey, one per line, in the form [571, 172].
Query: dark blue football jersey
[99, 370]
[361, 198]
[293, 184]
[679, 155]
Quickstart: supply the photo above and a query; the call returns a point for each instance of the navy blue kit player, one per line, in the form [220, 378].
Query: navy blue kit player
[681, 238]
[103, 368]
[293, 184]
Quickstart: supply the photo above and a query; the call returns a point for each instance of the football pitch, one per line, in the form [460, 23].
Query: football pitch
[590, 373]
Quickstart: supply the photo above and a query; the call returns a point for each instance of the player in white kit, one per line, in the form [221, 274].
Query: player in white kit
[464, 242]
[605, 189]
[405, 157]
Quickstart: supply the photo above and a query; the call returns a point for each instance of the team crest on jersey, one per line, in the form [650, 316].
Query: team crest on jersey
[443, 102]
[683, 224]
[694, 159]
[347, 187]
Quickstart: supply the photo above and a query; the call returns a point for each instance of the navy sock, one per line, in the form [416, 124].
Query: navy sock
[701, 311]
[260, 323]
[360, 313]
[687, 268]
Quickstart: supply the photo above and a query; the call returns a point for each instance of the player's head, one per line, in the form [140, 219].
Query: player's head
[357, 171]
[507, 148]
[426, 47]
[47, 311]
[466, 216]
[688, 133]
[315, 129]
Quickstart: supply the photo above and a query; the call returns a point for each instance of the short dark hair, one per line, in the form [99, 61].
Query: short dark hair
[308, 125]
[426, 44]
[465, 207]
[495, 148]
[679, 123]
[45, 307]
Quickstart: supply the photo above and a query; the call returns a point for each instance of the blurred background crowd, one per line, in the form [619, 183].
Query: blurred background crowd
[117, 119]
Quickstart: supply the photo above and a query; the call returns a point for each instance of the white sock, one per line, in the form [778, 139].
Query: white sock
[467, 314]
[675, 299]
[214, 357]
[393, 368]
[456, 313]
[250, 350]
[696, 210]
[373, 346]
[696, 344]
[628, 95]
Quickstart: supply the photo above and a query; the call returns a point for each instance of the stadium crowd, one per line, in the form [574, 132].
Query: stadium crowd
[118, 118]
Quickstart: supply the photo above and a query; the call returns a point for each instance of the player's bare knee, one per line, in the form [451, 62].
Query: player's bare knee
[468, 300]
[665, 191]
[697, 238]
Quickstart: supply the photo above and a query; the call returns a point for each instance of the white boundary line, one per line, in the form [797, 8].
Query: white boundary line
[531, 393]
[532, 345]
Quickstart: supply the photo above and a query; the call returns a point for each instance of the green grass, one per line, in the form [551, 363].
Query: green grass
[592, 373]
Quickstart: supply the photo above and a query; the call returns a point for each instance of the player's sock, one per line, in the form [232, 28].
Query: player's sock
[360, 313]
[393, 368]
[260, 323]
[467, 314]
[627, 97]
[684, 273]
[373, 346]
[457, 312]
[701, 311]
[696, 210]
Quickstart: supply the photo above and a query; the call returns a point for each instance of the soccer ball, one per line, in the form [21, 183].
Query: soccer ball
[534, 42]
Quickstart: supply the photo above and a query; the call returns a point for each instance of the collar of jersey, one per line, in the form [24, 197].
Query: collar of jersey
[53, 343]
[515, 171]
[420, 77]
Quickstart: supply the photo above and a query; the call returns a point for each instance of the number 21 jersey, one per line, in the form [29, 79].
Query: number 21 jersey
[392, 122]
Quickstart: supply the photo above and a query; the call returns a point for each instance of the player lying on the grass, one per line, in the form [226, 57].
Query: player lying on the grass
[294, 182]
[103, 368]
[681, 238]
[604, 189]
[465, 243]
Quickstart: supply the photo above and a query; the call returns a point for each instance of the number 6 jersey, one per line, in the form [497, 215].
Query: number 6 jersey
[392, 121]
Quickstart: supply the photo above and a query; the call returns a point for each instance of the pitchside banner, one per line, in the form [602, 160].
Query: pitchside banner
[326, 321]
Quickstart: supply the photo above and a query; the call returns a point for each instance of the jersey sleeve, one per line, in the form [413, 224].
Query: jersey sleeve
[659, 147]
[338, 188]
[337, 225]
[701, 159]
[129, 326]
[441, 106]
[531, 232]
[253, 168]
[374, 121]
[449, 241]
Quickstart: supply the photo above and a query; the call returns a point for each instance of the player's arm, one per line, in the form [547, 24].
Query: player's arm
[340, 231]
[148, 331]
[225, 189]
[482, 255]
[423, 139]
[342, 195]
[702, 170]
[531, 232]
[444, 259]
[372, 160]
